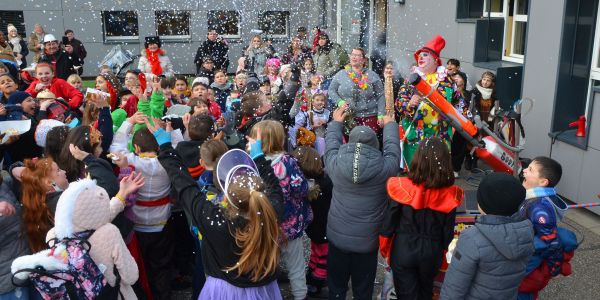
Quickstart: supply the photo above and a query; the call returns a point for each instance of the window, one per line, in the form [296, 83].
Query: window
[172, 25]
[13, 17]
[120, 25]
[469, 9]
[514, 13]
[495, 8]
[226, 22]
[275, 23]
[578, 61]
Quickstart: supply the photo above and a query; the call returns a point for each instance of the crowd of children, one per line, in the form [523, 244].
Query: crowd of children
[213, 184]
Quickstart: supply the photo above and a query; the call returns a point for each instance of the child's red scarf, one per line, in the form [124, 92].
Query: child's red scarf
[153, 59]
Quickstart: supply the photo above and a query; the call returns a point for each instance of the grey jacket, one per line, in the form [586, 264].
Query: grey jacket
[490, 259]
[13, 242]
[359, 172]
[367, 103]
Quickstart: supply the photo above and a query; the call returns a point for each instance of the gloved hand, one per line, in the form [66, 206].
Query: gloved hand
[162, 137]
[255, 146]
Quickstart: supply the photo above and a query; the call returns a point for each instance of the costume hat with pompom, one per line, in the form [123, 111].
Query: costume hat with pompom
[433, 47]
[82, 206]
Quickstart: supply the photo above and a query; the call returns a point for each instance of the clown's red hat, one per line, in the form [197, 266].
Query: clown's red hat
[434, 47]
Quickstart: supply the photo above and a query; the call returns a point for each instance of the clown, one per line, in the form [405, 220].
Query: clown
[154, 60]
[418, 119]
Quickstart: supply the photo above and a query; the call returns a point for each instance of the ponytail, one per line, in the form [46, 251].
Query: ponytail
[259, 238]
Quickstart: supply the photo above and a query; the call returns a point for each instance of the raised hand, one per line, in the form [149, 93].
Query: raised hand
[130, 184]
[339, 114]
[255, 145]
[77, 153]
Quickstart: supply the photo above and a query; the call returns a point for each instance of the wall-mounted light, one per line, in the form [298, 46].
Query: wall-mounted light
[399, 1]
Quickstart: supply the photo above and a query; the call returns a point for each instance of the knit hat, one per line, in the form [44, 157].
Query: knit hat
[82, 206]
[113, 85]
[500, 194]
[364, 135]
[18, 97]
[433, 47]
[41, 131]
[204, 80]
[11, 27]
[152, 40]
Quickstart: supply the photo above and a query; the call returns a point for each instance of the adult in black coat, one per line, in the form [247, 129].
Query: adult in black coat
[215, 48]
[65, 64]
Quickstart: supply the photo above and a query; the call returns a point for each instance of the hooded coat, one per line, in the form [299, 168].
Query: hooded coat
[359, 171]
[86, 206]
[490, 259]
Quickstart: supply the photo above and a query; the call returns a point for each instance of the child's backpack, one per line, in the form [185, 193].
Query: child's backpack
[66, 271]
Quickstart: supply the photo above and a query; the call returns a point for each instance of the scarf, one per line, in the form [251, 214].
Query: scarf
[486, 93]
[16, 44]
[154, 60]
[540, 192]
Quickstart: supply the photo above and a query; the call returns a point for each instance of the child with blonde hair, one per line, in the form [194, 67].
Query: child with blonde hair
[297, 213]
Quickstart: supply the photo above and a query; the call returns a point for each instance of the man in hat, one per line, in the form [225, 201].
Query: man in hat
[418, 119]
[214, 47]
[64, 63]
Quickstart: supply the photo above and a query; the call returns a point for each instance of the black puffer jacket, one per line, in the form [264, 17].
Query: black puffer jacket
[216, 50]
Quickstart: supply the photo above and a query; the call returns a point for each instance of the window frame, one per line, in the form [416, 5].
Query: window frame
[223, 35]
[494, 14]
[514, 57]
[595, 68]
[516, 18]
[124, 38]
[285, 13]
[176, 37]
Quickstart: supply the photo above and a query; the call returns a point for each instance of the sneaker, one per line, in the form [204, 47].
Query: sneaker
[456, 175]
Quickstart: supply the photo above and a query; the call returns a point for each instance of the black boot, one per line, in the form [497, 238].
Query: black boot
[468, 162]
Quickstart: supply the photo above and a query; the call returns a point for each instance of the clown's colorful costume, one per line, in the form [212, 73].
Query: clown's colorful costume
[421, 122]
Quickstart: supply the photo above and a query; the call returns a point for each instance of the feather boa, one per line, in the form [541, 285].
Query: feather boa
[153, 59]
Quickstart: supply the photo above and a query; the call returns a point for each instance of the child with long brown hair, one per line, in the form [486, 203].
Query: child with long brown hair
[419, 224]
[240, 242]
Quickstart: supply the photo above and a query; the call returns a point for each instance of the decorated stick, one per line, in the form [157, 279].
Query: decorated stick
[582, 205]
[389, 95]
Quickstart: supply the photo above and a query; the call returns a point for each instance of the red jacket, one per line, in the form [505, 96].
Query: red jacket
[61, 89]
[214, 109]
